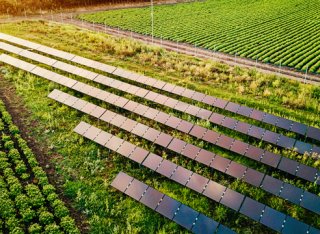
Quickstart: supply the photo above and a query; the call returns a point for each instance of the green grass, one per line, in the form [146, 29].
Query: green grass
[88, 169]
[276, 31]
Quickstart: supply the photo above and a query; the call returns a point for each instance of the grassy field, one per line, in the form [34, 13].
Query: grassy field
[88, 169]
[281, 32]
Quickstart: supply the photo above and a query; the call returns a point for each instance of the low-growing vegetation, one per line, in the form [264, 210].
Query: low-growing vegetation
[88, 169]
[28, 202]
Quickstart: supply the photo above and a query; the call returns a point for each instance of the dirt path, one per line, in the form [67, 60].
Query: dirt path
[231, 60]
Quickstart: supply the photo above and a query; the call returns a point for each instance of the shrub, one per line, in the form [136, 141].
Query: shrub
[48, 189]
[35, 196]
[35, 229]
[46, 217]
[68, 225]
[14, 154]
[27, 214]
[52, 229]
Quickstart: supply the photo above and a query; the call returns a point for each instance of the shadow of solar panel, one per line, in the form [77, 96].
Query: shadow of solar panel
[286, 142]
[232, 199]
[211, 136]
[151, 198]
[225, 141]
[126, 149]
[254, 153]
[214, 191]
[311, 202]
[121, 181]
[209, 100]
[163, 139]
[177, 145]
[299, 128]
[242, 127]
[252, 208]
[152, 161]
[284, 123]
[168, 207]
[313, 133]
[232, 107]
[256, 132]
[197, 183]
[204, 225]
[198, 131]
[270, 119]
[271, 159]
[273, 219]
[294, 226]
[288, 165]
[291, 193]
[219, 163]
[185, 126]
[186, 216]
[239, 147]
[166, 168]
[245, 111]
[190, 151]
[136, 189]
[236, 170]
[205, 157]
[139, 154]
[307, 173]
[302, 147]
[272, 185]
[220, 103]
[253, 177]
[229, 123]
[216, 118]
[181, 175]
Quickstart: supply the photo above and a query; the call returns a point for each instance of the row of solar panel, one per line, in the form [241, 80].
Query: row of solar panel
[293, 126]
[276, 187]
[217, 192]
[218, 119]
[260, 155]
[167, 206]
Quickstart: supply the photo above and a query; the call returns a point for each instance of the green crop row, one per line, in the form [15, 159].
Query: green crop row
[277, 31]
[28, 202]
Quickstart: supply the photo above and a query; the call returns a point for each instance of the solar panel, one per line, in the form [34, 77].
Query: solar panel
[291, 193]
[232, 107]
[270, 137]
[197, 183]
[302, 147]
[190, 151]
[284, 123]
[126, 149]
[253, 177]
[229, 123]
[245, 111]
[219, 163]
[209, 100]
[257, 115]
[270, 119]
[185, 216]
[198, 131]
[204, 225]
[92, 133]
[232, 199]
[181, 175]
[166, 168]
[136, 189]
[152, 161]
[211, 136]
[311, 202]
[225, 142]
[163, 139]
[313, 133]
[214, 191]
[168, 207]
[272, 185]
[252, 208]
[122, 181]
[114, 143]
[288, 165]
[185, 126]
[205, 157]
[256, 132]
[273, 219]
[286, 142]
[294, 226]
[177, 145]
[236, 170]
[216, 118]
[151, 198]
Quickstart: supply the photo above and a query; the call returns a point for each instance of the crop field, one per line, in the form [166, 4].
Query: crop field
[50, 84]
[28, 202]
[280, 32]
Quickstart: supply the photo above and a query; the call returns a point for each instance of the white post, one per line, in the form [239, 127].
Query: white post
[152, 22]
